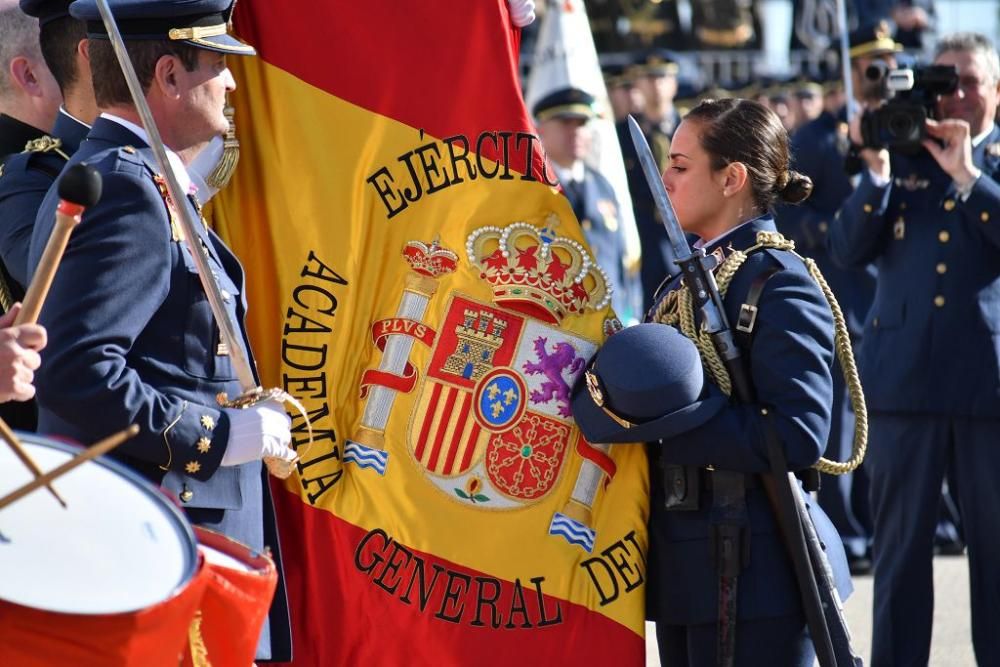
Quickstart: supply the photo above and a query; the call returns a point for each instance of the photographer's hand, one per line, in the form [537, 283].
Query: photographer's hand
[877, 160]
[953, 150]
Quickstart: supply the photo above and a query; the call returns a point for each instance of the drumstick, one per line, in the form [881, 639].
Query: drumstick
[79, 188]
[102, 447]
[26, 459]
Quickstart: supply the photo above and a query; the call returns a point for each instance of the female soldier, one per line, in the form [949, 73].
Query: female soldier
[728, 167]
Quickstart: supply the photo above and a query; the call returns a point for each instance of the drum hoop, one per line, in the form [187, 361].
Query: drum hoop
[213, 539]
[176, 515]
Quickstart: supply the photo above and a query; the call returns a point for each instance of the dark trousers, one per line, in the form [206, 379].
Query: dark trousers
[907, 458]
[782, 641]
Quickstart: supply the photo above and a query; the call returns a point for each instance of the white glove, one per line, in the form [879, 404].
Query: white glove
[256, 432]
[522, 12]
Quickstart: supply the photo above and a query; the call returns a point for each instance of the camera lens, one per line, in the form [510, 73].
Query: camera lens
[901, 125]
[876, 71]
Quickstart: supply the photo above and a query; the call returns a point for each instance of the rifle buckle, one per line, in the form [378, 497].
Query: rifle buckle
[747, 318]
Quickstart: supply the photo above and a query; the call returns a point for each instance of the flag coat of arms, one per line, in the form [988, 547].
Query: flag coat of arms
[427, 295]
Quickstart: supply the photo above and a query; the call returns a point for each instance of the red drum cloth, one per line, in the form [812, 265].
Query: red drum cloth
[234, 605]
[152, 637]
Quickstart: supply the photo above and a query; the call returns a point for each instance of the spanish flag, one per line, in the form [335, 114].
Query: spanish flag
[418, 283]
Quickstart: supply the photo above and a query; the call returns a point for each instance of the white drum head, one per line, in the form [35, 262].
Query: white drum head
[119, 547]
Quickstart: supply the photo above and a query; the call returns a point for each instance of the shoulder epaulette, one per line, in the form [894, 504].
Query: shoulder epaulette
[46, 144]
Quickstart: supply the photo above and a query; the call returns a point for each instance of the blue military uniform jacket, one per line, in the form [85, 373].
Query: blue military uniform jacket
[818, 150]
[596, 207]
[789, 356]
[937, 304]
[132, 340]
[26, 178]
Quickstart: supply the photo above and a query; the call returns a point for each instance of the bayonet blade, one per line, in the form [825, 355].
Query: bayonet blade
[678, 242]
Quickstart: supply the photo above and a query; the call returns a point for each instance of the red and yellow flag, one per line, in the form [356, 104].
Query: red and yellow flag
[422, 289]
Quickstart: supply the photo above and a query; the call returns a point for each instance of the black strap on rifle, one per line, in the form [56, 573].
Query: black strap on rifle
[745, 323]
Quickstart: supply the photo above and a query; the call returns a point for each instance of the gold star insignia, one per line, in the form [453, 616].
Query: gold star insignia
[204, 444]
[207, 422]
[192, 467]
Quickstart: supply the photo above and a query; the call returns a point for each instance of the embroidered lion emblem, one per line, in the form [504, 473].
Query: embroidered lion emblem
[552, 366]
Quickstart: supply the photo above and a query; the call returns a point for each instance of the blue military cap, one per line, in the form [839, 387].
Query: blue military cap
[565, 103]
[46, 10]
[645, 383]
[655, 62]
[200, 23]
[616, 75]
[872, 40]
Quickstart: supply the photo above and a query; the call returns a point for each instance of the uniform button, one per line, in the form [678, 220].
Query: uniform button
[949, 204]
[902, 206]
[941, 267]
[944, 236]
[939, 301]
[868, 208]
[984, 216]
[187, 495]
[875, 323]
[823, 226]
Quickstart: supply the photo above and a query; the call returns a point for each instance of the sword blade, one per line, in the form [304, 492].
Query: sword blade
[227, 331]
[678, 242]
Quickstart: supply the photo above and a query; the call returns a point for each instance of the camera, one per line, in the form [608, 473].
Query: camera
[910, 95]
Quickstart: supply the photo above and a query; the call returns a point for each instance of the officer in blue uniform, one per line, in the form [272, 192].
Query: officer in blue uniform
[132, 338]
[819, 150]
[27, 176]
[728, 156]
[655, 73]
[562, 118]
[929, 359]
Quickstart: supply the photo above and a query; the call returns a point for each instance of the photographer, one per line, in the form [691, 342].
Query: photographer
[930, 362]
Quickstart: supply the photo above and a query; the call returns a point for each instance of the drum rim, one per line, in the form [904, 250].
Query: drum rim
[175, 514]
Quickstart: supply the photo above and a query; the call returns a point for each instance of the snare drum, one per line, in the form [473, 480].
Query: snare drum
[110, 580]
[241, 584]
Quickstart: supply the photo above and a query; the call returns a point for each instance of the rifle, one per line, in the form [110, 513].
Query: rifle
[821, 602]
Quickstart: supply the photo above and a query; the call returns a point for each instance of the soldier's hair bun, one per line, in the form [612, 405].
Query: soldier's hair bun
[796, 187]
